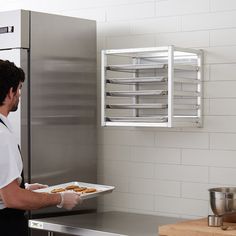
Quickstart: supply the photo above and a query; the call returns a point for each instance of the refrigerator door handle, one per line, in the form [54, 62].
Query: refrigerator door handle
[6, 29]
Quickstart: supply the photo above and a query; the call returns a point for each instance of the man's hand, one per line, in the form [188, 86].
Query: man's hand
[34, 186]
[69, 200]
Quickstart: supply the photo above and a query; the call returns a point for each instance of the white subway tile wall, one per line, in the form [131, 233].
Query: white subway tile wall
[165, 171]
[184, 7]
[196, 39]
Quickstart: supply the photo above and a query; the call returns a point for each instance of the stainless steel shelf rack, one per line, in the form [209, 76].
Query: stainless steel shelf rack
[152, 87]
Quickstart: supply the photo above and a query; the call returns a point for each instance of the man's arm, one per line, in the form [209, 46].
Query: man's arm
[15, 197]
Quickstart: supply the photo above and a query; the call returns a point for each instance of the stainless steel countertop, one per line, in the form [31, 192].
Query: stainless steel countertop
[104, 224]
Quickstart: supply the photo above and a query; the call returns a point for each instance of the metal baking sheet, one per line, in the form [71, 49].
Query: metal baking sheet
[137, 106]
[137, 80]
[101, 189]
[130, 67]
[134, 67]
[138, 119]
[137, 93]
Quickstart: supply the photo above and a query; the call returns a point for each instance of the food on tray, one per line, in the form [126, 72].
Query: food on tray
[85, 190]
[71, 187]
[74, 188]
[90, 190]
[58, 190]
[79, 189]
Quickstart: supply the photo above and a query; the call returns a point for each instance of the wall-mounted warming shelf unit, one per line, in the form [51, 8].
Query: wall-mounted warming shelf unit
[152, 87]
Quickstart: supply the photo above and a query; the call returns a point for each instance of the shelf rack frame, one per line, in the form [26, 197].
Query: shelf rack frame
[175, 58]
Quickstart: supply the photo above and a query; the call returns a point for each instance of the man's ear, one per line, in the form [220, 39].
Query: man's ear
[10, 93]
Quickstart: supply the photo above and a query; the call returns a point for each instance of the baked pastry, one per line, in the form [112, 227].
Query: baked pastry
[79, 189]
[71, 187]
[74, 188]
[90, 190]
[58, 190]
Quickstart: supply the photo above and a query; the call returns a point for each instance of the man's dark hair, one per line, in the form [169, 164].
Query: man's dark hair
[10, 77]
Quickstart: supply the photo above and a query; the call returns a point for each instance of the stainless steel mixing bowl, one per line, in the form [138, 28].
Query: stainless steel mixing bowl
[223, 200]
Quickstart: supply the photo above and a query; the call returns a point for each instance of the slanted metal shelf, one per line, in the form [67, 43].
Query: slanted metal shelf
[150, 93]
[139, 80]
[137, 106]
[186, 93]
[186, 107]
[137, 93]
[161, 121]
[134, 67]
[187, 80]
[152, 87]
[150, 119]
[149, 80]
[152, 106]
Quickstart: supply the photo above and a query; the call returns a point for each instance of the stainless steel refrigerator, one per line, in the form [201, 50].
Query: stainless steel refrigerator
[56, 120]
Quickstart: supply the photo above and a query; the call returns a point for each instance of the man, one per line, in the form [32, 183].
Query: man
[14, 198]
